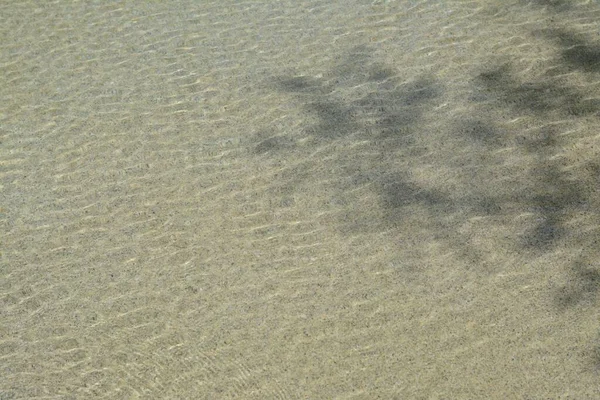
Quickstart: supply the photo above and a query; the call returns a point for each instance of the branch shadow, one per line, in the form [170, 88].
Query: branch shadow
[361, 100]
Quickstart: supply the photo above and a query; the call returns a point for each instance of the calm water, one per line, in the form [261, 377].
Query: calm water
[299, 200]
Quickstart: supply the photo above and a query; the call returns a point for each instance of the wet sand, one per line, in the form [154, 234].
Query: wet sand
[260, 200]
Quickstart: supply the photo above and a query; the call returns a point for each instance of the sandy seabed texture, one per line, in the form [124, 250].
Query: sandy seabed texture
[299, 199]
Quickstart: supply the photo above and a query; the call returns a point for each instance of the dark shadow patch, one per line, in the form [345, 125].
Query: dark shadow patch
[418, 92]
[595, 359]
[547, 232]
[391, 114]
[576, 51]
[273, 144]
[583, 286]
[542, 141]
[380, 73]
[301, 84]
[480, 131]
[551, 199]
[488, 206]
[550, 196]
[584, 56]
[398, 193]
[499, 86]
[357, 66]
[335, 119]
[384, 111]
[395, 126]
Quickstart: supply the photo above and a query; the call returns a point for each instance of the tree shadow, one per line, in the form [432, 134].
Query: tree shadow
[360, 100]
[540, 97]
[389, 115]
[562, 194]
[583, 286]
[575, 50]
[388, 112]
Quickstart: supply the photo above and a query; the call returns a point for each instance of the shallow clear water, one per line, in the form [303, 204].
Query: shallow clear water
[255, 200]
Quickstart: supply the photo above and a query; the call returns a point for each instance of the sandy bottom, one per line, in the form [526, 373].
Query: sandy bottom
[276, 200]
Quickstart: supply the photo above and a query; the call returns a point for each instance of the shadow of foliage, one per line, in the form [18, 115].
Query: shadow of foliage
[553, 195]
[388, 115]
[551, 200]
[361, 100]
[583, 287]
[387, 112]
[576, 51]
[499, 86]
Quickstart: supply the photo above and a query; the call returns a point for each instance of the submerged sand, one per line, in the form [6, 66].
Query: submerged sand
[299, 200]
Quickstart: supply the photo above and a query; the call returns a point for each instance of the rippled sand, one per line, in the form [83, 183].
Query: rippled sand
[299, 200]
